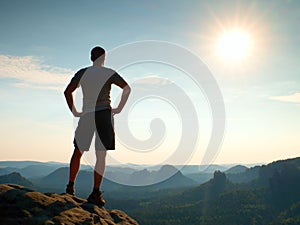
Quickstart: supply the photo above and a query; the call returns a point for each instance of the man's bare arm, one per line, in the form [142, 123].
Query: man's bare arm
[69, 98]
[124, 97]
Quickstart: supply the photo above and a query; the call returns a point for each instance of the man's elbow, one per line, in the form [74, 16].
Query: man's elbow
[70, 89]
[127, 89]
[67, 92]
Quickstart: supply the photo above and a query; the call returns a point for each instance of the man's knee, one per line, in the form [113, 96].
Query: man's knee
[77, 153]
[101, 155]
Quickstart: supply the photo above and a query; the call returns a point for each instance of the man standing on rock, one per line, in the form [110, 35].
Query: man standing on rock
[96, 117]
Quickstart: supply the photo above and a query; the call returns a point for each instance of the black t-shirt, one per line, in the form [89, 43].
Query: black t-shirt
[96, 82]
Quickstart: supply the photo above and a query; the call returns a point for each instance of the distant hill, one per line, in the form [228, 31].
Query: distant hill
[235, 174]
[53, 182]
[57, 180]
[248, 175]
[236, 169]
[202, 174]
[19, 205]
[19, 164]
[7, 170]
[196, 169]
[166, 177]
[285, 168]
[177, 180]
[119, 169]
[272, 198]
[32, 169]
[261, 174]
[15, 178]
[200, 178]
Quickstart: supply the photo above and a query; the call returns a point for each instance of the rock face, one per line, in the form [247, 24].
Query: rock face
[19, 205]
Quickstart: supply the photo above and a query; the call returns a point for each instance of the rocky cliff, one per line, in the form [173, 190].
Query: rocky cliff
[19, 205]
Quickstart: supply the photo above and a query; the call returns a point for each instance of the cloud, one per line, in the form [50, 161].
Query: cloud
[294, 98]
[31, 72]
[153, 80]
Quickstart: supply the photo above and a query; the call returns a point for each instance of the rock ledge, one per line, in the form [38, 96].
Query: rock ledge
[19, 205]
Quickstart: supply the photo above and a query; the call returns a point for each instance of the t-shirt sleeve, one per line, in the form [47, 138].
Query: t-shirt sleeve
[118, 80]
[77, 77]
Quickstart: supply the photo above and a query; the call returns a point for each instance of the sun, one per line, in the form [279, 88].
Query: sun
[234, 45]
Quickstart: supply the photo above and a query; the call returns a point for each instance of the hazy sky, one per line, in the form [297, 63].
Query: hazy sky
[42, 44]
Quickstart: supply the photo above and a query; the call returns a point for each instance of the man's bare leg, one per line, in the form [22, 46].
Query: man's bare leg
[99, 169]
[96, 196]
[74, 168]
[74, 165]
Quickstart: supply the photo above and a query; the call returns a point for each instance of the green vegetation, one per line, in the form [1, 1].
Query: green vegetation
[271, 199]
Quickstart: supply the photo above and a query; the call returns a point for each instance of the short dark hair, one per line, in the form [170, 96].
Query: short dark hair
[97, 52]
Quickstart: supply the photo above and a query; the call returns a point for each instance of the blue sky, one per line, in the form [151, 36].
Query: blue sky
[42, 43]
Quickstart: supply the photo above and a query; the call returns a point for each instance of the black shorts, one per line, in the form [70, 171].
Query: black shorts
[99, 123]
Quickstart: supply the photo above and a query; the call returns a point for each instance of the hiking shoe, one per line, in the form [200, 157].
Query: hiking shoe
[70, 189]
[96, 198]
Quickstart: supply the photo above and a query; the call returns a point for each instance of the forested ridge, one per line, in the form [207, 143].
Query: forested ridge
[271, 199]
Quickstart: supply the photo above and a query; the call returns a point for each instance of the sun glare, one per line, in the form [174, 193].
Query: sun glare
[234, 45]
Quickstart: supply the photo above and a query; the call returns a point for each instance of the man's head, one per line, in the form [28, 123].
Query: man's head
[97, 52]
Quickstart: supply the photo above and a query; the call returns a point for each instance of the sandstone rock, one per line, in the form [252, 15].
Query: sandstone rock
[19, 205]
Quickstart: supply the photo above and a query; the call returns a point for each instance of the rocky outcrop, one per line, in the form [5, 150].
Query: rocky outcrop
[19, 205]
